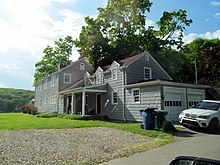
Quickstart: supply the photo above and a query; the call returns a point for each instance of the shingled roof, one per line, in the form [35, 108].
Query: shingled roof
[124, 62]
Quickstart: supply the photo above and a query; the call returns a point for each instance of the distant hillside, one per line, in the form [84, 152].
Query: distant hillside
[12, 99]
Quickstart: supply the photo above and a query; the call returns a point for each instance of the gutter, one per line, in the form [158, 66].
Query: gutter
[168, 83]
[123, 94]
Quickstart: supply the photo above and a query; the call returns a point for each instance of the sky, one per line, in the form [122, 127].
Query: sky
[28, 26]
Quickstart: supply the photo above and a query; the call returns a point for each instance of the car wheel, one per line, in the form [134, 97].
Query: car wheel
[213, 126]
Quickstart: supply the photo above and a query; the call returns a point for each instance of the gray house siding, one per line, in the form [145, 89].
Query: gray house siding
[46, 94]
[115, 111]
[76, 73]
[150, 97]
[135, 71]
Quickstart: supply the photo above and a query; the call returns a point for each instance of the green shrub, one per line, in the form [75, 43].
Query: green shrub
[47, 115]
[29, 108]
[71, 117]
[62, 116]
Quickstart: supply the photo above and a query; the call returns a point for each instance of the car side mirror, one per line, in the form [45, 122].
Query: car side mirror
[188, 160]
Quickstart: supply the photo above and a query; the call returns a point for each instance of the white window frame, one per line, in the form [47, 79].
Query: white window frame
[136, 96]
[99, 78]
[114, 73]
[147, 58]
[113, 97]
[150, 73]
[82, 66]
[64, 78]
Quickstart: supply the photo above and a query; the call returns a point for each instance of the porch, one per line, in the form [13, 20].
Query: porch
[85, 100]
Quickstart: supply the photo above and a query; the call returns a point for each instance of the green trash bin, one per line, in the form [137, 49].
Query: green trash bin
[160, 118]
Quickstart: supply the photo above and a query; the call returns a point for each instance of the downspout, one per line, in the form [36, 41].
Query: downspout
[58, 96]
[123, 93]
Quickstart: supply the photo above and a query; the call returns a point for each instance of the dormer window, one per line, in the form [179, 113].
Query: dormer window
[67, 78]
[82, 66]
[99, 78]
[114, 74]
[147, 73]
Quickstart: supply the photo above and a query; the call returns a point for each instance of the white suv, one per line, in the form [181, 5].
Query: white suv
[205, 114]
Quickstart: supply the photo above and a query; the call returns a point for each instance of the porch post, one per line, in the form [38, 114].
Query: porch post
[83, 102]
[72, 103]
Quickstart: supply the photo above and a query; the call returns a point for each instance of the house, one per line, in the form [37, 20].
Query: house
[118, 91]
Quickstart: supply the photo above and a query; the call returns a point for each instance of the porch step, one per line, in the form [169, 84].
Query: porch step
[95, 117]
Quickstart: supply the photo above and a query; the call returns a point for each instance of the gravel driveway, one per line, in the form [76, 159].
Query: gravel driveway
[66, 146]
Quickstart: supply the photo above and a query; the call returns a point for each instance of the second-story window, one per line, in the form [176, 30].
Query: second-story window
[114, 74]
[67, 78]
[147, 73]
[99, 78]
[82, 66]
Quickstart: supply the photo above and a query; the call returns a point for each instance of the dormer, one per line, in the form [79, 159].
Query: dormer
[99, 76]
[114, 70]
[88, 79]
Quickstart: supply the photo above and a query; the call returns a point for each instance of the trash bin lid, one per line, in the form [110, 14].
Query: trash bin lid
[150, 109]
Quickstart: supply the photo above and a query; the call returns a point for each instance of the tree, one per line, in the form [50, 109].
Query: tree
[120, 31]
[206, 54]
[53, 57]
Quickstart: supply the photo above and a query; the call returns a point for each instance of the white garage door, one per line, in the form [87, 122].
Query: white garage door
[195, 96]
[174, 102]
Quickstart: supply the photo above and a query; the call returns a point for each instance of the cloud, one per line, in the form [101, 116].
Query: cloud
[32, 28]
[26, 28]
[2, 85]
[209, 35]
[214, 3]
[217, 15]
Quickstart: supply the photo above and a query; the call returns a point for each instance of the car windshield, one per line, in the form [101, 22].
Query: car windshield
[208, 105]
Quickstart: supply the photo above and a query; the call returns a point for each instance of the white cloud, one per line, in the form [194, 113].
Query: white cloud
[26, 28]
[217, 15]
[214, 3]
[32, 28]
[209, 35]
[2, 85]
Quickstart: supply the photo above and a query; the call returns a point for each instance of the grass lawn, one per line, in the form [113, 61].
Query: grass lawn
[18, 121]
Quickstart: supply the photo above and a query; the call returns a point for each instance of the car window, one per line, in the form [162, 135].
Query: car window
[208, 105]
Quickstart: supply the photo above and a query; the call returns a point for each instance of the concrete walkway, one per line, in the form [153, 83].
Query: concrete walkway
[188, 143]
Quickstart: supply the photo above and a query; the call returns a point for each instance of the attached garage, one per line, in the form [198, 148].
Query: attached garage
[169, 96]
[174, 101]
[177, 99]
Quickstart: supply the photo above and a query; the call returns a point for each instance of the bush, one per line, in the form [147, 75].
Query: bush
[29, 108]
[47, 115]
[71, 117]
[63, 116]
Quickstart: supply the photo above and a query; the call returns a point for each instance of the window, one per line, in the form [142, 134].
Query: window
[82, 66]
[67, 78]
[146, 57]
[136, 95]
[147, 73]
[99, 78]
[114, 98]
[114, 74]
[173, 103]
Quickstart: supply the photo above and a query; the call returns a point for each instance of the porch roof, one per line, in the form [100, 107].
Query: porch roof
[100, 88]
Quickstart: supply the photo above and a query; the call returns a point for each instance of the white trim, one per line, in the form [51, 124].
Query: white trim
[82, 66]
[150, 73]
[133, 98]
[64, 78]
[147, 58]
[116, 73]
[113, 97]
[100, 103]
[160, 82]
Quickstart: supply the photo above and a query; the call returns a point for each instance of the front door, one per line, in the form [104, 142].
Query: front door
[98, 103]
